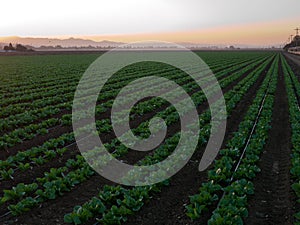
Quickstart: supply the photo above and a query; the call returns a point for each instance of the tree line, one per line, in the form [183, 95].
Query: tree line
[18, 47]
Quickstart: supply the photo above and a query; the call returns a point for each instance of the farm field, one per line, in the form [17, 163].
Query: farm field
[255, 178]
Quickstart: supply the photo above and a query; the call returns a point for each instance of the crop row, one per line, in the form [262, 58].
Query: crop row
[152, 104]
[49, 70]
[124, 202]
[233, 205]
[71, 81]
[46, 70]
[293, 93]
[64, 179]
[70, 87]
[168, 114]
[118, 81]
[10, 139]
[232, 173]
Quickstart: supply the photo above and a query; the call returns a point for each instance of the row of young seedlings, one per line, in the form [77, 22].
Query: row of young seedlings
[50, 77]
[115, 203]
[148, 106]
[68, 86]
[293, 92]
[24, 118]
[26, 133]
[66, 180]
[115, 86]
[233, 205]
[237, 166]
[120, 84]
[47, 70]
[20, 160]
[205, 76]
[46, 148]
[31, 94]
[33, 154]
[21, 156]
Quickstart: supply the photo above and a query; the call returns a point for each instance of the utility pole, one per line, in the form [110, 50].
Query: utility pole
[297, 36]
[291, 36]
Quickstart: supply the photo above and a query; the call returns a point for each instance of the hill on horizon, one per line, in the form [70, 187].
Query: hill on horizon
[65, 43]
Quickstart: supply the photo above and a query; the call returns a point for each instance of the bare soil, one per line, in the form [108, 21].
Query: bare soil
[164, 208]
[273, 200]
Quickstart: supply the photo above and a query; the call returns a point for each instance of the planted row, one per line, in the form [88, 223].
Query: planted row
[293, 93]
[231, 173]
[11, 139]
[30, 202]
[117, 210]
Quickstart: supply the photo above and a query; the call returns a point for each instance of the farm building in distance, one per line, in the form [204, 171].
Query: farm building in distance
[294, 45]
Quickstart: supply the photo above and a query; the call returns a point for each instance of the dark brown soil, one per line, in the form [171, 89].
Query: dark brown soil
[36, 141]
[168, 207]
[272, 201]
[174, 128]
[57, 131]
[131, 157]
[295, 65]
[51, 212]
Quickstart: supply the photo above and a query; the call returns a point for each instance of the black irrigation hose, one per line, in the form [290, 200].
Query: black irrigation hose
[60, 125]
[9, 212]
[5, 214]
[249, 139]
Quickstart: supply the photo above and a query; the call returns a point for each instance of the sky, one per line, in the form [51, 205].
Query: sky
[199, 21]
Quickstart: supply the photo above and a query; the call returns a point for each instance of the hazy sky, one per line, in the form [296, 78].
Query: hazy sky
[115, 17]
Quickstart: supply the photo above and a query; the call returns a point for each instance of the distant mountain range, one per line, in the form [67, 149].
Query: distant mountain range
[65, 43]
[85, 43]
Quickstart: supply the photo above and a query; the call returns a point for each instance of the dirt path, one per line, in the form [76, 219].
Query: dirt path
[271, 203]
[294, 58]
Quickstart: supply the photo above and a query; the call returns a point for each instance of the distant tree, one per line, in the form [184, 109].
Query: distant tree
[21, 48]
[9, 47]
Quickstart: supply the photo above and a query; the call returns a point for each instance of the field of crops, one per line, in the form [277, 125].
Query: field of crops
[254, 180]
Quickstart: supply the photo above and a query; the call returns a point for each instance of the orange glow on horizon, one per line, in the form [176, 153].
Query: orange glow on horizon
[264, 34]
